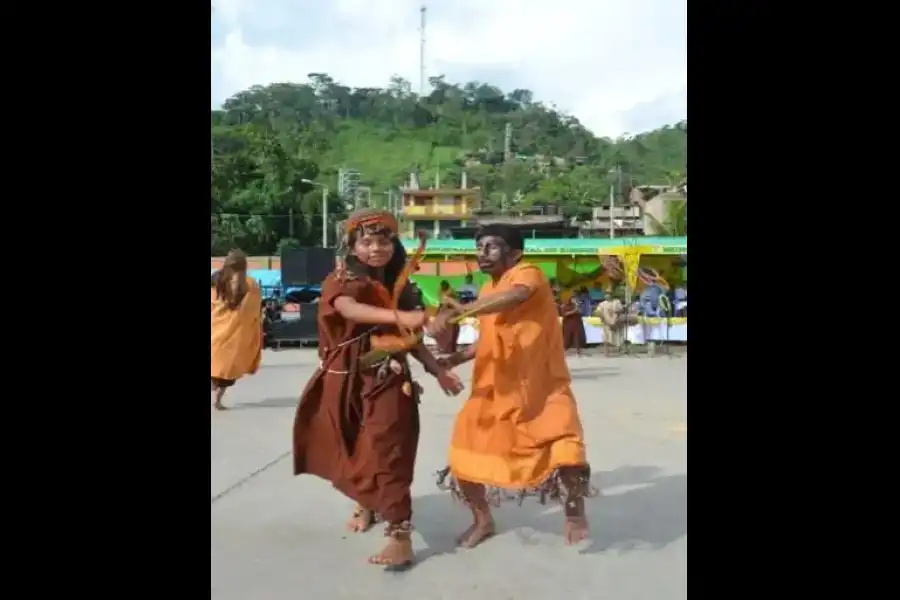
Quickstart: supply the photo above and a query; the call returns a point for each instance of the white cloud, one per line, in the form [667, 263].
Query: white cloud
[618, 65]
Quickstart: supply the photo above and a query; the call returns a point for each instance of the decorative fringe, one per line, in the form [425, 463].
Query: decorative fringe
[558, 487]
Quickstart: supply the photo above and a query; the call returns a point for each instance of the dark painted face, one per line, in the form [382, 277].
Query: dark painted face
[495, 257]
[374, 249]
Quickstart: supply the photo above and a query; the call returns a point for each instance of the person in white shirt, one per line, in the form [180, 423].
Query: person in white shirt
[610, 312]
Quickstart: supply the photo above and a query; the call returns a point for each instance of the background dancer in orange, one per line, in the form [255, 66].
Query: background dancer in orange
[357, 426]
[235, 325]
[520, 428]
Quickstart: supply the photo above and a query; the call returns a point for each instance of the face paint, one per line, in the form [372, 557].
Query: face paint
[493, 255]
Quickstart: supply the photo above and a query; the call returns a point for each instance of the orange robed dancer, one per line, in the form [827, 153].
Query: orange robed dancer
[520, 428]
[236, 325]
[357, 426]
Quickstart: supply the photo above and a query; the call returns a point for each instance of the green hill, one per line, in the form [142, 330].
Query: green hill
[267, 140]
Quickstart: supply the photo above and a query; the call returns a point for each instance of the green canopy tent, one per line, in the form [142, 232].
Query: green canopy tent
[581, 255]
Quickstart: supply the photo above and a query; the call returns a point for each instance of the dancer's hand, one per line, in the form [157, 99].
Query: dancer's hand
[449, 382]
[457, 358]
[439, 323]
[453, 305]
[411, 319]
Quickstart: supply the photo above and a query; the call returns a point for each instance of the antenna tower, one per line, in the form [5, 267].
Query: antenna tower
[422, 50]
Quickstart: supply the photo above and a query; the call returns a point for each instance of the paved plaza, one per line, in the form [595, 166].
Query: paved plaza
[279, 537]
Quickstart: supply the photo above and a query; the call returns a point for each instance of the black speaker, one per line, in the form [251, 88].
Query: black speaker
[306, 266]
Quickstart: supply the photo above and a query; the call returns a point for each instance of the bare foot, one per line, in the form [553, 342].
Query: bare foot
[576, 524]
[477, 533]
[576, 529]
[361, 521]
[398, 552]
[220, 394]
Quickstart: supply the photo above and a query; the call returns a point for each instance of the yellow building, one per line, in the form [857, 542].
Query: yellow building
[436, 210]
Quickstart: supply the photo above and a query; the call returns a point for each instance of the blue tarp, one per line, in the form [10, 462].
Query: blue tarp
[270, 279]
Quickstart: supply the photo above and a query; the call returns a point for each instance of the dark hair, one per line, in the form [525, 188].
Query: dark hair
[392, 270]
[445, 284]
[510, 235]
[231, 280]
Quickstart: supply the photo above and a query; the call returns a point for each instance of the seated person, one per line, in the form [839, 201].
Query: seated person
[272, 307]
[468, 291]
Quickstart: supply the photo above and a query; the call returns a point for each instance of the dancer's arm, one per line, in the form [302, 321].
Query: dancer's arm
[422, 354]
[358, 312]
[485, 305]
[458, 358]
[499, 302]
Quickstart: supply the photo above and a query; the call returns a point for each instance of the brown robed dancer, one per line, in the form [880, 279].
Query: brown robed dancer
[235, 325]
[357, 424]
[572, 324]
[520, 428]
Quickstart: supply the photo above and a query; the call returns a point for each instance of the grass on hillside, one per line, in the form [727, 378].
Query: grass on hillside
[374, 152]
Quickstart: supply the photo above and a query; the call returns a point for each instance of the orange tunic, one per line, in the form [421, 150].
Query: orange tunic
[236, 335]
[521, 422]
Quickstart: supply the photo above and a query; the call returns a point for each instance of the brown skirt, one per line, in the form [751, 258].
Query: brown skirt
[361, 433]
[573, 332]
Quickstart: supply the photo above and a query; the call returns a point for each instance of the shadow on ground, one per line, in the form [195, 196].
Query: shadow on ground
[652, 510]
[284, 402]
[576, 373]
[593, 372]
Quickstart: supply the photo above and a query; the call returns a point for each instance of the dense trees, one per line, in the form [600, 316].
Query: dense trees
[270, 143]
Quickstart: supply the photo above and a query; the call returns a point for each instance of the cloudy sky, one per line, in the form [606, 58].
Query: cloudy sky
[620, 66]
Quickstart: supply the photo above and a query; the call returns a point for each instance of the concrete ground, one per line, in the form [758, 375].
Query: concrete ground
[279, 537]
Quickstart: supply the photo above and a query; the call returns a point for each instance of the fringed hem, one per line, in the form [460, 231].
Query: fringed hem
[563, 485]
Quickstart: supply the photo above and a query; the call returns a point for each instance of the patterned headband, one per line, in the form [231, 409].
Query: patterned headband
[371, 221]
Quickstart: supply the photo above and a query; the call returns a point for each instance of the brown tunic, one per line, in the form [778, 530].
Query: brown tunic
[358, 429]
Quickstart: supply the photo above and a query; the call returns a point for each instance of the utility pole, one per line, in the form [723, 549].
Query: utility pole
[507, 144]
[324, 209]
[422, 11]
[612, 198]
[324, 216]
[612, 207]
